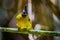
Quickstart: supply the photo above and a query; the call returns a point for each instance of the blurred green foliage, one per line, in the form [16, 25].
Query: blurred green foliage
[1, 3]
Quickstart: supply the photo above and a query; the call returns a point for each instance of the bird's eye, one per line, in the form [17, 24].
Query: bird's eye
[23, 12]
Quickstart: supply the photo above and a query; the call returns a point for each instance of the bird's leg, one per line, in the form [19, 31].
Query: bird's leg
[19, 29]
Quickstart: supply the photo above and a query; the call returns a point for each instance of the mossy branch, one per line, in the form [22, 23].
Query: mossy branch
[39, 32]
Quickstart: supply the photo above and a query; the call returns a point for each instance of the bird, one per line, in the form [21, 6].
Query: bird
[23, 21]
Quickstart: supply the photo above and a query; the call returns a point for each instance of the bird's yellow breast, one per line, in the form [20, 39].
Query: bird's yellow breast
[23, 22]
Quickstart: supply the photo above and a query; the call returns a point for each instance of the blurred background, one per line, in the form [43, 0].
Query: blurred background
[44, 12]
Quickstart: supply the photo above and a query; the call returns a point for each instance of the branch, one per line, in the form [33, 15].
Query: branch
[39, 32]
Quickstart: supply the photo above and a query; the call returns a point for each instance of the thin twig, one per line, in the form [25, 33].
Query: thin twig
[39, 32]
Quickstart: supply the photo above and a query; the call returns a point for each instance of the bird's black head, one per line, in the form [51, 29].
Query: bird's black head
[25, 13]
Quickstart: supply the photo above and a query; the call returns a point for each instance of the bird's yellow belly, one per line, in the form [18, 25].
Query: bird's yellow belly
[22, 24]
